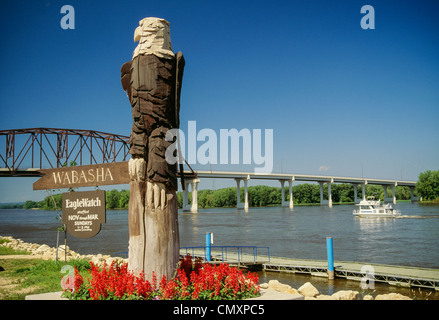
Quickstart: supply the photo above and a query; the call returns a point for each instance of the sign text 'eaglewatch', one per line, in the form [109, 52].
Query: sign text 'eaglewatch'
[85, 202]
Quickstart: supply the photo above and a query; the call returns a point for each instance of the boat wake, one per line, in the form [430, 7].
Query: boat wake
[417, 217]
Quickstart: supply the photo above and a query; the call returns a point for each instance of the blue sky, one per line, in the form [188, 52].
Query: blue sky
[340, 100]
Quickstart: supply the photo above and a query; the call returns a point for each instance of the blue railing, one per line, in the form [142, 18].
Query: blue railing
[228, 251]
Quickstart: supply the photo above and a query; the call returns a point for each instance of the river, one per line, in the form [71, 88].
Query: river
[409, 240]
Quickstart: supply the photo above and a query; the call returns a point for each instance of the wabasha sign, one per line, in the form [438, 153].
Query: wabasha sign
[83, 212]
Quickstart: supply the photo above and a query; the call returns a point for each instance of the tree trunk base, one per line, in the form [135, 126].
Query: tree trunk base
[154, 243]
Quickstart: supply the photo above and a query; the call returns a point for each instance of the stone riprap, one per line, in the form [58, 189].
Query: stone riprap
[311, 293]
[43, 251]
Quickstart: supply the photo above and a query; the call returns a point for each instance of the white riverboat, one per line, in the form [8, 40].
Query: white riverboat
[374, 208]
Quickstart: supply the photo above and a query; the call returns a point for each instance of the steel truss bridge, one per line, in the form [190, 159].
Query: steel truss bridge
[24, 151]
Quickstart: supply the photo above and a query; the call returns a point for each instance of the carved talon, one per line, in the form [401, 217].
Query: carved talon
[156, 195]
[137, 168]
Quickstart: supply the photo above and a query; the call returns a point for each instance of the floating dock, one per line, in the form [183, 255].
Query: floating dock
[392, 275]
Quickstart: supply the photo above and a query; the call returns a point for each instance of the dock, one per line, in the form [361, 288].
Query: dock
[393, 275]
[358, 271]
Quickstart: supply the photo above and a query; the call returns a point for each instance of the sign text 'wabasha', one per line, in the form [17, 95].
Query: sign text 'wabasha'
[83, 176]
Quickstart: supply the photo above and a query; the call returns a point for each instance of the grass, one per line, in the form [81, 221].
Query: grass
[22, 277]
[9, 251]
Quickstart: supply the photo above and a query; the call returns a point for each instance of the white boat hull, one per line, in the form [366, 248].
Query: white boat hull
[374, 209]
[377, 215]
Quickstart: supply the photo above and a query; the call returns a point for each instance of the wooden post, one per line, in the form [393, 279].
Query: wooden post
[136, 212]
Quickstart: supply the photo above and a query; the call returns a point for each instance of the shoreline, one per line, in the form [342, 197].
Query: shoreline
[307, 290]
[45, 252]
[434, 202]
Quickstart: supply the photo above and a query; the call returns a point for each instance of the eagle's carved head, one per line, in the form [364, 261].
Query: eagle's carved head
[154, 38]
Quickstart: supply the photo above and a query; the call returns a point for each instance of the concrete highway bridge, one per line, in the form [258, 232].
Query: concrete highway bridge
[290, 178]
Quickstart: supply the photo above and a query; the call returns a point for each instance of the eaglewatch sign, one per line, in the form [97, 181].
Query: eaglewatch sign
[83, 212]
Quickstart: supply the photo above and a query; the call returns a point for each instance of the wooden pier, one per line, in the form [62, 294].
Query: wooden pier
[358, 271]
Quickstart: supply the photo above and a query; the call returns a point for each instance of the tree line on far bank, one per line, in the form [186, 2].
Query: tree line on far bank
[427, 187]
[258, 196]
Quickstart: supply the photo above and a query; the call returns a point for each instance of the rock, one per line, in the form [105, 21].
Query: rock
[63, 248]
[345, 295]
[41, 249]
[263, 285]
[276, 285]
[273, 283]
[48, 256]
[392, 296]
[308, 290]
[291, 290]
[367, 297]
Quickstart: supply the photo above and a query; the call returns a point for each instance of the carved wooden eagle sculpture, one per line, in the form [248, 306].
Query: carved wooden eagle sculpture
[152, 81]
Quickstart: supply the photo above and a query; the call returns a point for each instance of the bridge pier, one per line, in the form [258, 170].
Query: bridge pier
[412, 195]
[289, 203]
[355, 193]
[240, 205]
[386, 199]
[363, 192]
[194, 206]
[329, 201]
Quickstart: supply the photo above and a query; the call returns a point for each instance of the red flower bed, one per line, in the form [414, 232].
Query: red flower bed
[193, 281]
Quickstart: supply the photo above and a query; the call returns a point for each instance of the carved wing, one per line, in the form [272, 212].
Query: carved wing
[125, 78]
[180, 63]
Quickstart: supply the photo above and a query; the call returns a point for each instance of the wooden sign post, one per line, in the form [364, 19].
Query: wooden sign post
[83, 212]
